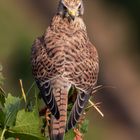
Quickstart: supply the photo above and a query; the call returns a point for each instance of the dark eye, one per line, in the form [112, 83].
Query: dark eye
[79, 6]
[64, 7]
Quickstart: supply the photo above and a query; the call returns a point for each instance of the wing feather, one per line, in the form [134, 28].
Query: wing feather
[85, 81]
[77, 109]
[41, 67]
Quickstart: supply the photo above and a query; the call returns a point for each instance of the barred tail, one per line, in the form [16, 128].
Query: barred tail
[58, 126]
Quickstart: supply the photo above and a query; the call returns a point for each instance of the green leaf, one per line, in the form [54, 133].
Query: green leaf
[2, 116]
[70, 135]
[84, 127]
[11, 108]
[27, 125]
[71, 91]
[2, 97]
[0, 132]
[70, 105]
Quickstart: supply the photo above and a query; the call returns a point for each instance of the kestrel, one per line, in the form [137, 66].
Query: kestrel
[64, 57]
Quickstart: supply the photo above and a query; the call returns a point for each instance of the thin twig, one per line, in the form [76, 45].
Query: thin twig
[30, 88]
[22, 90]
[98, 110]
[100, 87]
[97, 104]
[2, 135]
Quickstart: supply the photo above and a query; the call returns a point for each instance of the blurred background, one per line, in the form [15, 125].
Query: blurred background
[114, 27]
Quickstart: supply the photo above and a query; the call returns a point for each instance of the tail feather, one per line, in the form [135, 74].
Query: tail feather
[58, 126]
[58, 137]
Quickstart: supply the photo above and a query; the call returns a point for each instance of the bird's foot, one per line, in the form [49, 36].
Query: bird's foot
[78, 135]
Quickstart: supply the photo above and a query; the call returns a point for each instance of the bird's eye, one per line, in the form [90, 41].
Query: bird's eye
[64, 7]
[79, 6]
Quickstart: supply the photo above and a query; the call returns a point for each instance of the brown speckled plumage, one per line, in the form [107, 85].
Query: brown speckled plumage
[61, 58]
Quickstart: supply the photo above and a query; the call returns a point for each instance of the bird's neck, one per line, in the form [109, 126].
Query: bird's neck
[59, 23]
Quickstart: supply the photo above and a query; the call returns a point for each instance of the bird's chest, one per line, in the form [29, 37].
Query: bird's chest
[65, 46]
[66, 50]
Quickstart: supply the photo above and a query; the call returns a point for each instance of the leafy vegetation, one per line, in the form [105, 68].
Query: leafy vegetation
[18, 122]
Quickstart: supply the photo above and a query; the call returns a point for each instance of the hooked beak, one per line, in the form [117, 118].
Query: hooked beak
[72, 13]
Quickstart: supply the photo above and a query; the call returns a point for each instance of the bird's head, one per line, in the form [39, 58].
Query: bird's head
[71, 8]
